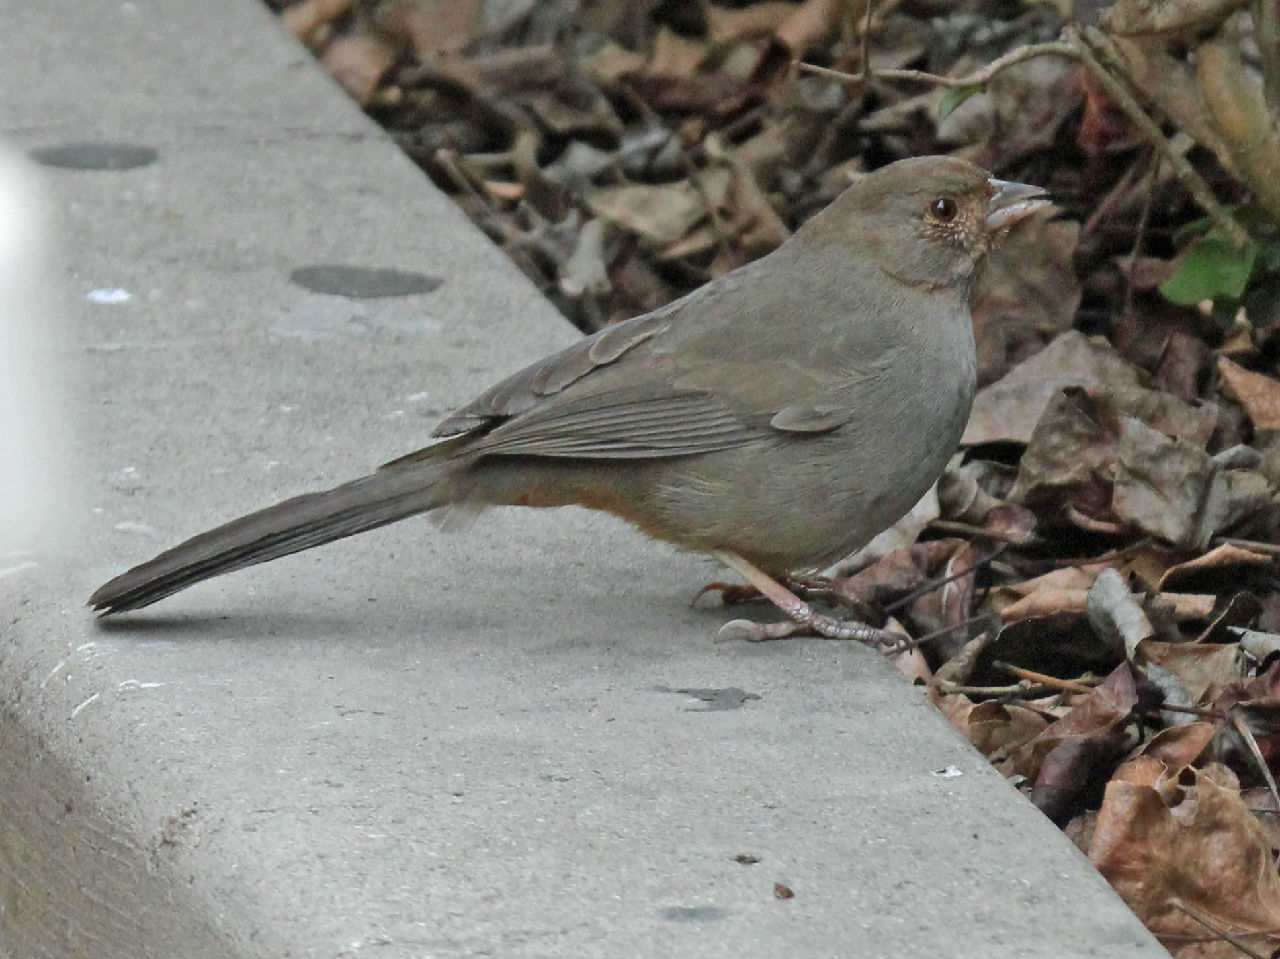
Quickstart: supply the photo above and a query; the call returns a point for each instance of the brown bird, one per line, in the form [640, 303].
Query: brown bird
[777, 418]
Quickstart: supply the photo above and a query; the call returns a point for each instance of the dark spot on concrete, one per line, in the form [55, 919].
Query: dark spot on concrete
[95, 156]
[691, 913]
[717, 700]
[746, 859]
[362, 282]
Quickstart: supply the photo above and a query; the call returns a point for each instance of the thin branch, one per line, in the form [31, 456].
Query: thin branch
[1266, 33]
[928, 637]
[1017, 691]
[1214, 928]
[1084, 39]
[1242, 727]
[1141, 234]
[969, 529]
[866, 39]
[1252, 545]
[978, 77]
[1042, 678]
[933, 584]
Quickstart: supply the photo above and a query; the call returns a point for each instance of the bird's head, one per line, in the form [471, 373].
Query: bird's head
[929, 221]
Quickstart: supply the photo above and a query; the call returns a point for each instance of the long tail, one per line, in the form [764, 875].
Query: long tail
[296, 524]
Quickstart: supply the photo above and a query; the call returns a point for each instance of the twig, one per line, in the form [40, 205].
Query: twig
[969, 529]
[1242, 727]
[718, 228]
[1085, 39]
[1042, 678]
[1250, 544]
[1266, 33]
[1017, 691]
[978, 77]
[1074, 687]
[1201, 711]
[1092, 525]
[866, 39]
[1214, 928]
[927, 637]
[1140, 234]
[1103, 209]
[1110, 556]
[933, 584]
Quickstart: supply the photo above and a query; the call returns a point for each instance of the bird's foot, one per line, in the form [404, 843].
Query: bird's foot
[803, 617]
[735, 594]
[731, 594]
[814, 624]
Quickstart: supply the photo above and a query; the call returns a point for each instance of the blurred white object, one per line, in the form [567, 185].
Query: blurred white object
[108, 297]
[32, 482]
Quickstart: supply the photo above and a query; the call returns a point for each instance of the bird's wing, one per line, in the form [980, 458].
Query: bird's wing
[523, 391]
[690, 382]
[535, 413]
[644, 420]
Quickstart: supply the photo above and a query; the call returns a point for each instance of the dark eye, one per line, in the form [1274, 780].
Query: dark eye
[943, 209]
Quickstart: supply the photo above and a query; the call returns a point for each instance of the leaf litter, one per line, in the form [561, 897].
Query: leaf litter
[1092, 586]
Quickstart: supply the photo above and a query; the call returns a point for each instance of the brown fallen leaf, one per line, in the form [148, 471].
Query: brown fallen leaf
[727, 24]
[432, 26]
[1223, 563]
[1008, 409]
[996, 728]
[1206, 850]
[1179, 746]
[1115, 613]
[1026, 295]
[1020, 111]
[1258, 394]
[1134, 17]
[1172, 489]
[898, 572]
[358, 61]
[1063, 759]
[1182, 361]
[674, 56]
[811, 24]
[303, 19]
[1160, 483]
[1190, 673]
[661, 214]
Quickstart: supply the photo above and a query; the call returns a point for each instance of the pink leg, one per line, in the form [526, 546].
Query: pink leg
[797, 610]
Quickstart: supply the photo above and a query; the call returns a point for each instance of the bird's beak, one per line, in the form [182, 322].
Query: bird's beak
[1012, 202]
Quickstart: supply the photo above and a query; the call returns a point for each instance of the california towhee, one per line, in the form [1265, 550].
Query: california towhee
[777, 418]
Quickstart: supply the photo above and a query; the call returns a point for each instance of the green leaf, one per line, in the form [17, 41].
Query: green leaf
[956, 96]
[1211, 269]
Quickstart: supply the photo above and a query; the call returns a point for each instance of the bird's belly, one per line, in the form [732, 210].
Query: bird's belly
[791, 503]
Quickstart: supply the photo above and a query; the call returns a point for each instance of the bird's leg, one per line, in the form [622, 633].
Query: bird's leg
[797, 610]
[807, 587]
[731, 594]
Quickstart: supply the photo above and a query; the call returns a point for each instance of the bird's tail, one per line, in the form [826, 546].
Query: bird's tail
[296, 524]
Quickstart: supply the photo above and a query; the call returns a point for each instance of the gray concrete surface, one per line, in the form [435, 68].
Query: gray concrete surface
[409, 744]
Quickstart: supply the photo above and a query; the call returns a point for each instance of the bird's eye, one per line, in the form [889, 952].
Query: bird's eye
[943, 209]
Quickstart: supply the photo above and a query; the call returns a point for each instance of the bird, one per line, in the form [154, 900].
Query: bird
[776, 418]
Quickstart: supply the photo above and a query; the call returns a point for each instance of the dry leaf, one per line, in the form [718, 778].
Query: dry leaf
[358, 62]
[1062, 759]
[1258, 394]
[1207, 851]
[1008, 410]
[1026, 294]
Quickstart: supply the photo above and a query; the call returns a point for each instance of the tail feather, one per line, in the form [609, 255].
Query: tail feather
[296, 524]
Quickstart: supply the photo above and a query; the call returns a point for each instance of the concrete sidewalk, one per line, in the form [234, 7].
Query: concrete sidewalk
[518, 741]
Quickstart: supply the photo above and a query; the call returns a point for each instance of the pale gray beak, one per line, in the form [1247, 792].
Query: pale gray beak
[1011, 202]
